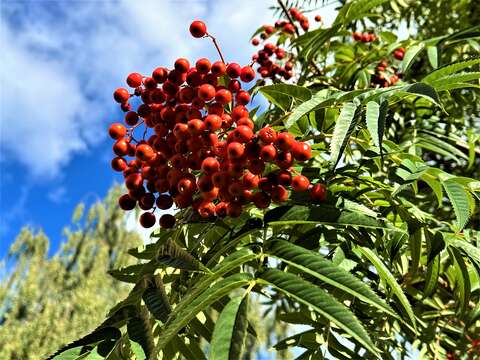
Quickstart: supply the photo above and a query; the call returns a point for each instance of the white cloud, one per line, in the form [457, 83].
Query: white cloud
[62, 61]
[58, 195]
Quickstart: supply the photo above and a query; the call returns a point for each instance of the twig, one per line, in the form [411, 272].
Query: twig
[214, 40]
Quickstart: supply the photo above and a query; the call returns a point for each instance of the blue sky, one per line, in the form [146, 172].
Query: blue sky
[61, 61]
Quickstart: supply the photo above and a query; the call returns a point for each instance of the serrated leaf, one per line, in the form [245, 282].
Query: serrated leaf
[356, 10]
[462, 280]
[140, 331]
[299, 93]
[230, 330]
[156, 299]
[460, 200]
[455, 81]
[312, 104]
[179, 319]
[450, 69]
[320, 301]
[432, 54]
[316, 265]
[388, 277]
[171, 254]
[375, 117]
[343, 128]
[431, 277]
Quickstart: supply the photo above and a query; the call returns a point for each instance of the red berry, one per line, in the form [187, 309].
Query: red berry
[234, 86]
[134, 80]
[261, 200]
[126, 202]
[301, 151]
[213, 122]
[196, 127]
[223, 96]
[285, 141]
[146, 201]
[147, 220]
[198, 29]
[246, 121]
[235, 150]
[267, 135]
[121, 147]
[203, 65]
[206, 92]
[119, 164]
[247, 74]
[186, 186]
[289, 28]
[205, 183]
[210, 165]
[284, 177]
[255, 42]
[318, 18]
[239, 112]
[117, 131]
[206, 209]
[279, 194]
[121, 95]
[234, 209]
[221, 209]
[318, 193]
[233, 70]
[256, 166]
[160, 75]
[218, 68]
[268, 153]
[144, 152]
[182, 65]
[300, 183]
[284, 160]
[250, 180]
[164, 202]
[242, 98]
[242, 134]
[167, 221]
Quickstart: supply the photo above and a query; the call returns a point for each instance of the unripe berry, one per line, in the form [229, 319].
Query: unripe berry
[144, 152]
[117, 131]
[267, 135]
[318, 193]
[167, 221]
[300, 183]
[301, 151]
[198, 29]
[206, 92]
[268, 153]
[119, 164]
[203, 65]
[235, 150]
[247, 74]
[134, 80]
[126, 202]
[121, 95]
[233, 70]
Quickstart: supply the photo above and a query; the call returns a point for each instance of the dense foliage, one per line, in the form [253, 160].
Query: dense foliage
[388, 266]
[46, 300]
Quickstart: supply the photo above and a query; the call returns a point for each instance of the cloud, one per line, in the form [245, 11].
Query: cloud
[58, 195]
[62, 61]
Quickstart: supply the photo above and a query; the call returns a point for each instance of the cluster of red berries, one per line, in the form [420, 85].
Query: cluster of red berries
[364, 37]
[385, 75]
[201, 153]
[399, 53]
[271, 63]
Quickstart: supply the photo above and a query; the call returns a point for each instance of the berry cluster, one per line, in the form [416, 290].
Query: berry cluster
[202, 151]
[385, 75]
[273, 60]
[364, 37]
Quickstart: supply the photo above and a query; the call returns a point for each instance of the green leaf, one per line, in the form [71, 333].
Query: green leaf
[320, 301]
[462, 280]
[455, 81]
[173, 255]
[140, 331]
[420, 89]
[410, 55]
[314, 103]
[316, 265]
[375, 116]
[299, 93]
[450, 69]
[195, 304]
[343, 128]
[431, 278]
[432, 53]
[230, 330]
[156, 299]
[460, 200]
[388, 277]
[356, 10]
[316, 41]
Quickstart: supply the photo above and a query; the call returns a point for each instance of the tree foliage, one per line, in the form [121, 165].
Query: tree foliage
[387, 267]
[46, 301]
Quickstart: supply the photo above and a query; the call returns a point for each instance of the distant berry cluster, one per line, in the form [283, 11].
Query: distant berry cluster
[364, 37]
[203, 151]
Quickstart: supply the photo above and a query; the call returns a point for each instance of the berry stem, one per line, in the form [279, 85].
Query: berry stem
[214, 40]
